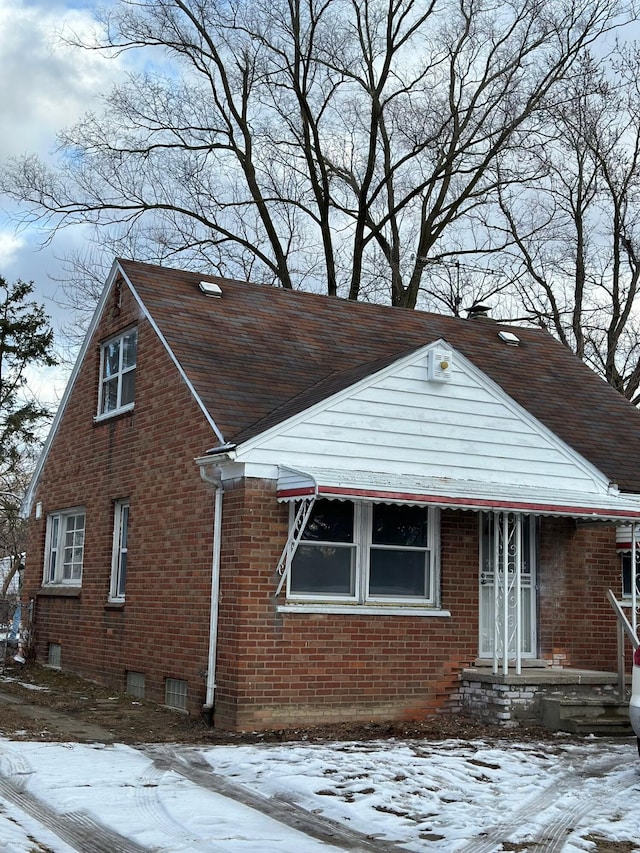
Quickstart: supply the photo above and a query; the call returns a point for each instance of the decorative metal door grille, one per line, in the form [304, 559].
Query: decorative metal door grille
[507, 589]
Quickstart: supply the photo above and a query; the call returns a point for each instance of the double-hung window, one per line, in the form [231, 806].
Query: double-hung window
[117, 373]
[365, 552]
[627, 573]
[120, 550]
[64, 547]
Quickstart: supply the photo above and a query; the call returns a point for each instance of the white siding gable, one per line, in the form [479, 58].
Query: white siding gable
[400, 422]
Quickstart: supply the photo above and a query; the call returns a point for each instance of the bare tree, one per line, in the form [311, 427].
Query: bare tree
[339, 145]
[576, 230]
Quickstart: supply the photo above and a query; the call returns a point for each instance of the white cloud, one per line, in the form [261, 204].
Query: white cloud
[45, 85]
[10, 246]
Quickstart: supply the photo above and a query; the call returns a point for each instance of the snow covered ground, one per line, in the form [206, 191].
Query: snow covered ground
[450, 796]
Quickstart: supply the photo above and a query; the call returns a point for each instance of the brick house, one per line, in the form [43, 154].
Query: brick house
[285, 508]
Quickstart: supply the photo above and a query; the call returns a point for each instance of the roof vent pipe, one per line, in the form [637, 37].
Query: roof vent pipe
[478, 312]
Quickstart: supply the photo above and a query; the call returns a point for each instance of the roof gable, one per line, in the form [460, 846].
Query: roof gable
[401, 422]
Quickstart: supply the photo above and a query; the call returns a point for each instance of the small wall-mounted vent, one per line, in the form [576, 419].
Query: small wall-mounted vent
[210, 288]
[509, 338]
[439, 369]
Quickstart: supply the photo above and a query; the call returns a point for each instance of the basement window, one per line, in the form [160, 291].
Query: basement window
[135, 684]
[175, 694]
[54, 658]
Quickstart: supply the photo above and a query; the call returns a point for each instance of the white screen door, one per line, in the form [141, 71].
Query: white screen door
[507, 539]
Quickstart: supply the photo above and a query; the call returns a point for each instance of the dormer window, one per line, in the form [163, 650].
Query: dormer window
[118, 373]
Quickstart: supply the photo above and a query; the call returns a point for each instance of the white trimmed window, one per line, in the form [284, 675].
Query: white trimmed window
[117, 373]
[64, 551]
[627, 585]
[366, 553]
[120, 549]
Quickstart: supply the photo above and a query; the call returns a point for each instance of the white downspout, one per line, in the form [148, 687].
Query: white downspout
[216, 482]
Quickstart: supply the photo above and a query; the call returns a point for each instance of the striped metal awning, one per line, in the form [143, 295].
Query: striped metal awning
[612, 507]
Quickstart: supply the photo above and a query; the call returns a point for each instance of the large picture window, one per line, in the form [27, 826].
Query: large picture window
[65, 547]
[365, 552]
[117, 373]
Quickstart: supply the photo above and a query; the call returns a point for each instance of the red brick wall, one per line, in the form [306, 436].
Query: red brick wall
[577, 566]
[282, 669]
[147, 456]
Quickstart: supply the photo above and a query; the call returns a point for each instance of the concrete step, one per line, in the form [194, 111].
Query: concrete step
[601, 726]
[586, 715]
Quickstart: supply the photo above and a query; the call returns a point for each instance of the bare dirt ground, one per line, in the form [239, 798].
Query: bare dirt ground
[39, 703]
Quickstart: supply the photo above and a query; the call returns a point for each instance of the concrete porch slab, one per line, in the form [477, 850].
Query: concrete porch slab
[540, 676]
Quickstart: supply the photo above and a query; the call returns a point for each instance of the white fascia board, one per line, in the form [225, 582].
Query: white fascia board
[28, 499]
[231, 469]
[600, 480]
[173, 358]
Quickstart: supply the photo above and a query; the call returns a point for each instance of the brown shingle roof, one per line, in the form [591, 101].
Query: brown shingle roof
[259, 355]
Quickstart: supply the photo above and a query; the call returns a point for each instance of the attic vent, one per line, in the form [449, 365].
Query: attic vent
[209, 288]
[509, 338]
[439, 365]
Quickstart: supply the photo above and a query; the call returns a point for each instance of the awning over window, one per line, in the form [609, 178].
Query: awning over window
[467, 495]
[624, 537]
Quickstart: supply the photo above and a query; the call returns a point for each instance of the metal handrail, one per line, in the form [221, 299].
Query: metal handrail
[624, 627]
[622, 620]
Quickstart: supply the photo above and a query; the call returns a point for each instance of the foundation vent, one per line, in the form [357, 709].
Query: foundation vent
[55, 655]
[135, 684]
[175, 694]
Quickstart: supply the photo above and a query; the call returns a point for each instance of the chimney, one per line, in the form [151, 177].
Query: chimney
[479, 312]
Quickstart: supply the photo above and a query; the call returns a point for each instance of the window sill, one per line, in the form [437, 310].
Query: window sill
[110, 416]
[114, 604]
[59, 592]
[363, 610]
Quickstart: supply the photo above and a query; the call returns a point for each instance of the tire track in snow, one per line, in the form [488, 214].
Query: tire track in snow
[77, 829]
[552, 835]
[188, 763]
[148, 801]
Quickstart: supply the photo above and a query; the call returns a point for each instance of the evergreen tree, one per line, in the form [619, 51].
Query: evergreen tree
[26, 340]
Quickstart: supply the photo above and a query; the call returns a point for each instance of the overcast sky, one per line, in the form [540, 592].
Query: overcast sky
[44, 86]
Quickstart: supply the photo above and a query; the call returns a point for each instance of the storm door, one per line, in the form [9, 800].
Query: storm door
[507, 588]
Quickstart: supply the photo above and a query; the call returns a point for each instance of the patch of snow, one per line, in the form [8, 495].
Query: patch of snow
[450, 796]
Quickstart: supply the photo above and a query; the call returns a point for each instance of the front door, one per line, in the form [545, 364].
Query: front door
[507, 542]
